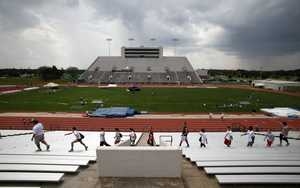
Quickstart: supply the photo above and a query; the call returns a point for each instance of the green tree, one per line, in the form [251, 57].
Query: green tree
[49, 73]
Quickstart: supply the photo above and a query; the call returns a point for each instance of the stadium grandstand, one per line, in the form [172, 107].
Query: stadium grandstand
[143, 65]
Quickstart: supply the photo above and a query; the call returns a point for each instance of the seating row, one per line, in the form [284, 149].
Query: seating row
[258, 179]
[30, 177]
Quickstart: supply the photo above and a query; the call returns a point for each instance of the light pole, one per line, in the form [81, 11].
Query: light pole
[108, 42]
[130, 41]
[152, 41]
[175, 40]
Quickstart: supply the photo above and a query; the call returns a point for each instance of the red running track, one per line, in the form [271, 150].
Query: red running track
[158, 125]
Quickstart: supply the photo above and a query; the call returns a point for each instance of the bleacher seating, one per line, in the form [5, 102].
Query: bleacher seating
[38, 168]
[246, 163]
[258, 179]
[240, 164]
[30, 177]
[19, 162]
[253, 170]
[160, 70]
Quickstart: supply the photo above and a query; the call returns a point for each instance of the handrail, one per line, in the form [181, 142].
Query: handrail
[167, 136]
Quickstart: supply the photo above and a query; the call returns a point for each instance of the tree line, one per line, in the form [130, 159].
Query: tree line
[44, 73]
[47, 73]
[253, 74]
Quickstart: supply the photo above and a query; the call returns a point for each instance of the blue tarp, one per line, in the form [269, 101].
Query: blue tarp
[113, 112]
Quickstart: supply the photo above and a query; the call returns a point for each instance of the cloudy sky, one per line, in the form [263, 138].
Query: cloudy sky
[219, 34]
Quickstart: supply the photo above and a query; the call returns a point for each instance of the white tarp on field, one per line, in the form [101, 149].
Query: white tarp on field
[51, 84]
[283, 112]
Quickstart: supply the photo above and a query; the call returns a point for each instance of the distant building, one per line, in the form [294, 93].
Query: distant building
[279, 85]
[140, 65]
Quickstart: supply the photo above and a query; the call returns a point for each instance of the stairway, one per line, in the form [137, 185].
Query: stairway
[143, 140]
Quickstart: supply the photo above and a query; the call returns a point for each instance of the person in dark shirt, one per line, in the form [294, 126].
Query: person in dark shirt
[184, 135]
[150, 140]
[284, 134]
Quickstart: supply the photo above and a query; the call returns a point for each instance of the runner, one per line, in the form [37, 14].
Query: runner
[284, 134]
[38, 135]
[132, 137]
[150, 140]
[203, 138]
[269, 137]
[251, 136]
[78, 138]
[102, 138]
[118, 136]
[228, 137]
[184, 135]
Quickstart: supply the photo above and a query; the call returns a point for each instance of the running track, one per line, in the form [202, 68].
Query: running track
[158, 125]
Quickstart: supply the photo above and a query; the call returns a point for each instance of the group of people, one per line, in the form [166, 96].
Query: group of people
[210, 115]
[39, 137]
[228, 137]
[184, 136]
[118, 136]
[269, 136]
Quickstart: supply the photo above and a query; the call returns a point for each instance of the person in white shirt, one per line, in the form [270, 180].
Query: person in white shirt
[203, 138]
[228, 137]
[269, 137]
[132, 137]
[38, 135]
[102, 138]
[78, 138]
[251, 136]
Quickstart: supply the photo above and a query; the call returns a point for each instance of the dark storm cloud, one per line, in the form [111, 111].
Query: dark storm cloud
[147, 19]
[16, 15]
[247, 33]
[252, 28]
[265, 28]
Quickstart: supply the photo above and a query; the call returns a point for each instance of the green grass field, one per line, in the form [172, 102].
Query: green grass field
[148, 99]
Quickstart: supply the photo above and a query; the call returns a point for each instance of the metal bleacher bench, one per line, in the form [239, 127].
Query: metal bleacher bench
[45, 156]
[246, 163]
[258, 179]
[246, 158]
[37, 168]
[30, 177]
[43, 161]
[252, 170]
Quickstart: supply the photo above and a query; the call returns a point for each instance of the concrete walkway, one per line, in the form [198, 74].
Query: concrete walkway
[193, 177]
